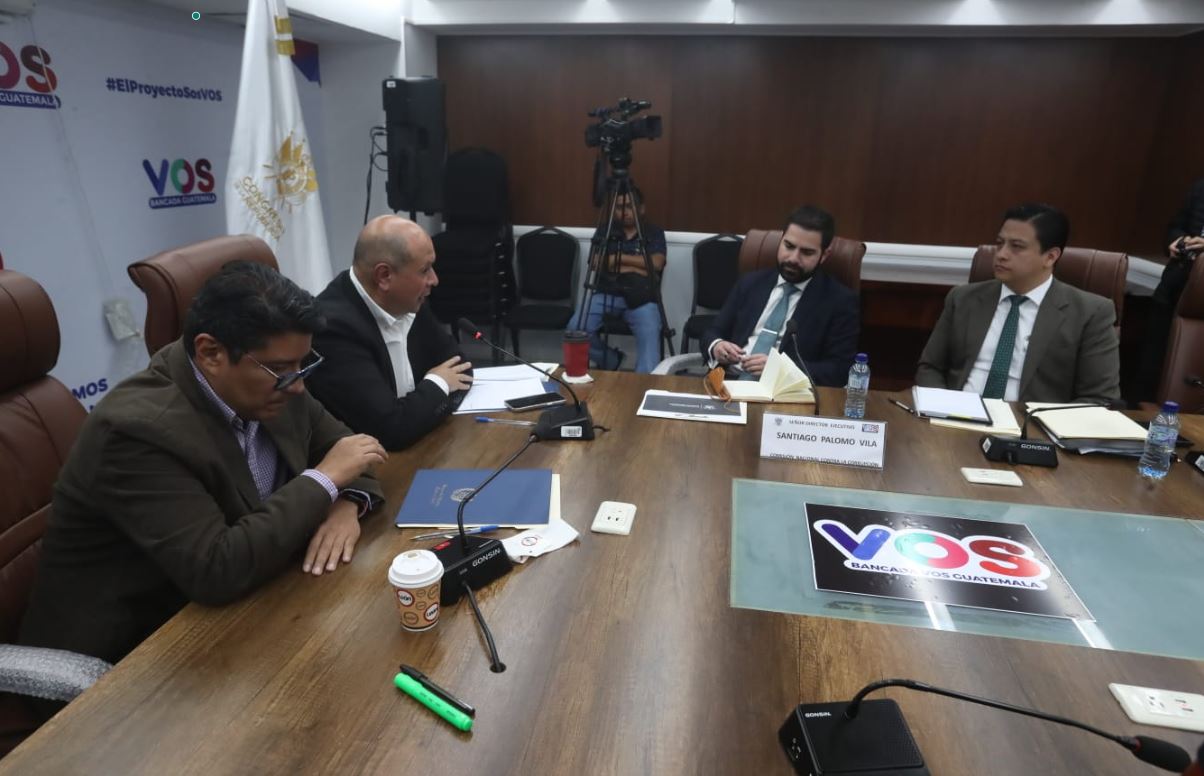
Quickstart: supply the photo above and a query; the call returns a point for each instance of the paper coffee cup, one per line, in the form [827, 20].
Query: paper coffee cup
[415, 577]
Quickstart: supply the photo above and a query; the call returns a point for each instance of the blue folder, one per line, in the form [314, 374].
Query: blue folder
[518, 497]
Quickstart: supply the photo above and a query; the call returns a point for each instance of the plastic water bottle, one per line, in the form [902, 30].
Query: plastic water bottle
[858, 387]
[1160, 443]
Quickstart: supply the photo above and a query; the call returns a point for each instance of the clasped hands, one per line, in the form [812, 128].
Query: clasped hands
[729, 353]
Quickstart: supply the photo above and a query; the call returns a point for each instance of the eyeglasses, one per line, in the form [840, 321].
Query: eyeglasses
[288, 378]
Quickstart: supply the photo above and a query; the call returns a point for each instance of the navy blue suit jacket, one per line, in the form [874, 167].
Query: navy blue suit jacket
[827, 317]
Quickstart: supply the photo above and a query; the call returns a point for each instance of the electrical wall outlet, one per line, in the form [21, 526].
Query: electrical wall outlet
[1164, 708]
[614, 517]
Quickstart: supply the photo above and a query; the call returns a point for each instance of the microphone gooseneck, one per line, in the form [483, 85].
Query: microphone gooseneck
[472, 494]
[468, 327]
[1155, 751]
[791, 331]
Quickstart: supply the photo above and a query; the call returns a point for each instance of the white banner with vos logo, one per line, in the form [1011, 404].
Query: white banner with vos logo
[116, 125]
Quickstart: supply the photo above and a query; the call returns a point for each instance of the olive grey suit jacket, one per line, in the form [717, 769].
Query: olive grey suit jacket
[155, 507]
[1073, 353]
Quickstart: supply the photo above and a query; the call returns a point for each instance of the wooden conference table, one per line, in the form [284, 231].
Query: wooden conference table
[623, 654]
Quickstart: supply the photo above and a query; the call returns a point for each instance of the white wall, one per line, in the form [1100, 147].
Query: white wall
[351, 104]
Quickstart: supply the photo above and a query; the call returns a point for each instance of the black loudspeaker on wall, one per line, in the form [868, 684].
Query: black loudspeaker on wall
[416, 143]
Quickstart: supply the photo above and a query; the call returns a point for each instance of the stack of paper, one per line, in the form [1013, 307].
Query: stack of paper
[1087, 422]
[493, 385]
[1090, 429]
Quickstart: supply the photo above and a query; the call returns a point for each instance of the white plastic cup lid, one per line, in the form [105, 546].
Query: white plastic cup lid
[415, 568]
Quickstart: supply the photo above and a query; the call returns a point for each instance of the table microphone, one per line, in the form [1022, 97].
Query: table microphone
[477, 560]
[872, 736]
[1024, 451]
[791, 331]
[554, 423]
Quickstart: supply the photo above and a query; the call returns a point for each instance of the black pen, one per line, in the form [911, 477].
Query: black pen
[422, 679]
[902, 406]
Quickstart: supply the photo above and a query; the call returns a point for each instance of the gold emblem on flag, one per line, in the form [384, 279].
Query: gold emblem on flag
[292, 173]
[284, 39]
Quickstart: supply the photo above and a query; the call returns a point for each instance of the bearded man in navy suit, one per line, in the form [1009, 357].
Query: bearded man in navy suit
[825, 312]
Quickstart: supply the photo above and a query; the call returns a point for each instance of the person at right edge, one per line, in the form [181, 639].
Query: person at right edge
[1025, 336]
[1185, 240]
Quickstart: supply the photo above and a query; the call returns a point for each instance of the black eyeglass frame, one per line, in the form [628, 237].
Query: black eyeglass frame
[288, 378]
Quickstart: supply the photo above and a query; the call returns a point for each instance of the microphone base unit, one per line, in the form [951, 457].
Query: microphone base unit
[566, 422]
[1020, 452]
[819, 741]
[485, 561]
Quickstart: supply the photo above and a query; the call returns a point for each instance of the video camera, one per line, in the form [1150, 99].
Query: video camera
[616, 129]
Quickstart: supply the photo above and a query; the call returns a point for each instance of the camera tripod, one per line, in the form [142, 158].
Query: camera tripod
[605, 264]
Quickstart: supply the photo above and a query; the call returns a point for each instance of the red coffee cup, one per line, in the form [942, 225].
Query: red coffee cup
[576, 353]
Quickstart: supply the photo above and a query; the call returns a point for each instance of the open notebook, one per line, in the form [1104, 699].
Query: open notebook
[781, 381]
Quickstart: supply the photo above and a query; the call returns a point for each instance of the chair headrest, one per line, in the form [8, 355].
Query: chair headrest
[1191, 303]
[29, 331]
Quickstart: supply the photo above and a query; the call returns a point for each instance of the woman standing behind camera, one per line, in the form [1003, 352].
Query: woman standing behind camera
[1185, 238]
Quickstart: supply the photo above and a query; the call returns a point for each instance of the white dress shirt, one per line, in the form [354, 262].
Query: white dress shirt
[774, 296]
[396, 331]
[976, 382]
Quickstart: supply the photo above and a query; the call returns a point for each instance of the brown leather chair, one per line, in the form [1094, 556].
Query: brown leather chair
[1185, 350]
[1099, 272]
[39, 420]
[760, 251]
[171, 279]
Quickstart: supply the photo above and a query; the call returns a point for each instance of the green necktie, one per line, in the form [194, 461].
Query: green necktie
[997, 378]
[775, 321]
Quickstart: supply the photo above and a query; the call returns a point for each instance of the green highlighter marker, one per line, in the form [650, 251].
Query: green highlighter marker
[412, 688]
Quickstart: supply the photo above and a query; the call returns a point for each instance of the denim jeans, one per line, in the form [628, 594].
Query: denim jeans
[645, 323]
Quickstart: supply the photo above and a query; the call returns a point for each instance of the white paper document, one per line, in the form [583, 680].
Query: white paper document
[844, 441]
[545, 538]
[491, 395]
[692, 406]
[493, 374]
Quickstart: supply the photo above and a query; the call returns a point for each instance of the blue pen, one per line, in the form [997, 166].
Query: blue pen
[484, 419]
[450, 534]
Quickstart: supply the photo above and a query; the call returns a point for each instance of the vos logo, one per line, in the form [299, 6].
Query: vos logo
[923, 552]
[185, 179]
[32, 62]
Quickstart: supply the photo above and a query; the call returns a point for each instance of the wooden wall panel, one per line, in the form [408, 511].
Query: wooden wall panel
[1177, 156]
[905, 140]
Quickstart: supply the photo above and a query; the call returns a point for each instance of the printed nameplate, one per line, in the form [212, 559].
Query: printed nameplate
[824, 440]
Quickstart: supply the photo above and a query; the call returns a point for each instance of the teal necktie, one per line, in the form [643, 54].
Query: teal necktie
[775, 322]
[997, 378]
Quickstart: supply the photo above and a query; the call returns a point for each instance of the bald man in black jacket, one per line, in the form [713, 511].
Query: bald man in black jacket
[392, 370]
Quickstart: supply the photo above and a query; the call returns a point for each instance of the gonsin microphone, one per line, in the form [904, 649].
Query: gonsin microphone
[563, 422]
[871, 738]
[791, 331]
[1025, 451]
[475, 560]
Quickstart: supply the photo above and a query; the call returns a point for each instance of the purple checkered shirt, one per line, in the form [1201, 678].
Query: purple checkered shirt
[260, 450]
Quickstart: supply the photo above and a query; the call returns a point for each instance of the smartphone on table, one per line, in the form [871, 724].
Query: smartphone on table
[537, 402]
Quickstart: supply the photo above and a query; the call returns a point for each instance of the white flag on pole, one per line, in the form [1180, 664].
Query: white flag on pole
[271, 184]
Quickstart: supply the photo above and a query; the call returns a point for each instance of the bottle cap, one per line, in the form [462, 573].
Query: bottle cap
[862, 358]
[1170, 406]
